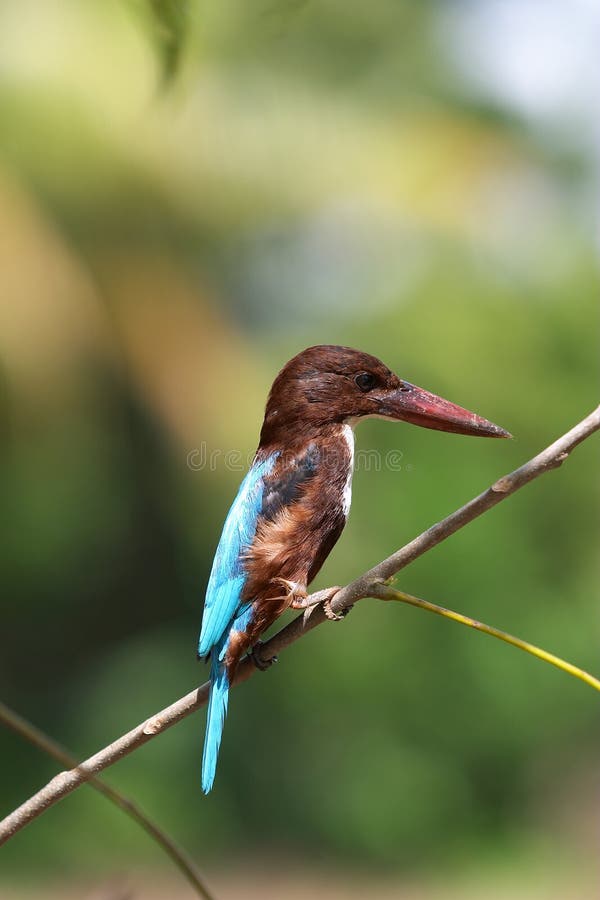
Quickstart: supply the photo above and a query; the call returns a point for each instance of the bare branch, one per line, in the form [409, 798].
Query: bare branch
[365, 586]
[47, 745]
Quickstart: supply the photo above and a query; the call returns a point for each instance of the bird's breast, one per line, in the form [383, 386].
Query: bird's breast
[306, 503]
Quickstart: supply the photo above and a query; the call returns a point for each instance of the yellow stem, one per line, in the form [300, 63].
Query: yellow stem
[384, 592]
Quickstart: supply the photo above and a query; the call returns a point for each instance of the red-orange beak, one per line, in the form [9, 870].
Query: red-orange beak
[417, 406]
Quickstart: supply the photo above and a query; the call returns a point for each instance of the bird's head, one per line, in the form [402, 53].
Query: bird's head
[327, 384]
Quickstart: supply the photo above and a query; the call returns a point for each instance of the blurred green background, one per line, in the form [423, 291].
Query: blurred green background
[417, 179]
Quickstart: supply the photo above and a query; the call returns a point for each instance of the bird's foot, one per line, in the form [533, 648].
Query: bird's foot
[295, 593]
[333, 616]
[323, 597]
[258, 659]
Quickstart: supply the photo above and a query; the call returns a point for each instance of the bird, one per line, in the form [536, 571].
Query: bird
[293, 503]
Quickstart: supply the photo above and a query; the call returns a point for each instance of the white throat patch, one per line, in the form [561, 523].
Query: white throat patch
[348, 435]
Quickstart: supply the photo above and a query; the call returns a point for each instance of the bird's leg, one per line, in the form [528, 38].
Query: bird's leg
[298, 599]
[295, 593]
[255, 655]
[320, 597]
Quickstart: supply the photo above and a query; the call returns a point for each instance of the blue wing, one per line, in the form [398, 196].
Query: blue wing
[223, 594]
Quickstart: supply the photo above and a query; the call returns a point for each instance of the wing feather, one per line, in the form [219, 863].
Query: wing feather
[227, 577]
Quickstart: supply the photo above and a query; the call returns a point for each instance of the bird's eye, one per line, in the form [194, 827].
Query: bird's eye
[365, 381]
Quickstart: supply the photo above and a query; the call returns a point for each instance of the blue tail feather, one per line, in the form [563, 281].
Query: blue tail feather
[217, 709]
[219, 695]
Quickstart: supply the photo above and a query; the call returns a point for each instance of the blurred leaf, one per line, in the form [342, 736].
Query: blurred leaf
[169, 21]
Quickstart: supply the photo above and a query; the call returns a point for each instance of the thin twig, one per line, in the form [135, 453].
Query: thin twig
[384, 592]
[47, 745]
[62, 784]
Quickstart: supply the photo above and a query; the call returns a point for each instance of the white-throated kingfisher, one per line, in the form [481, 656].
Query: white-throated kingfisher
[293, 504]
